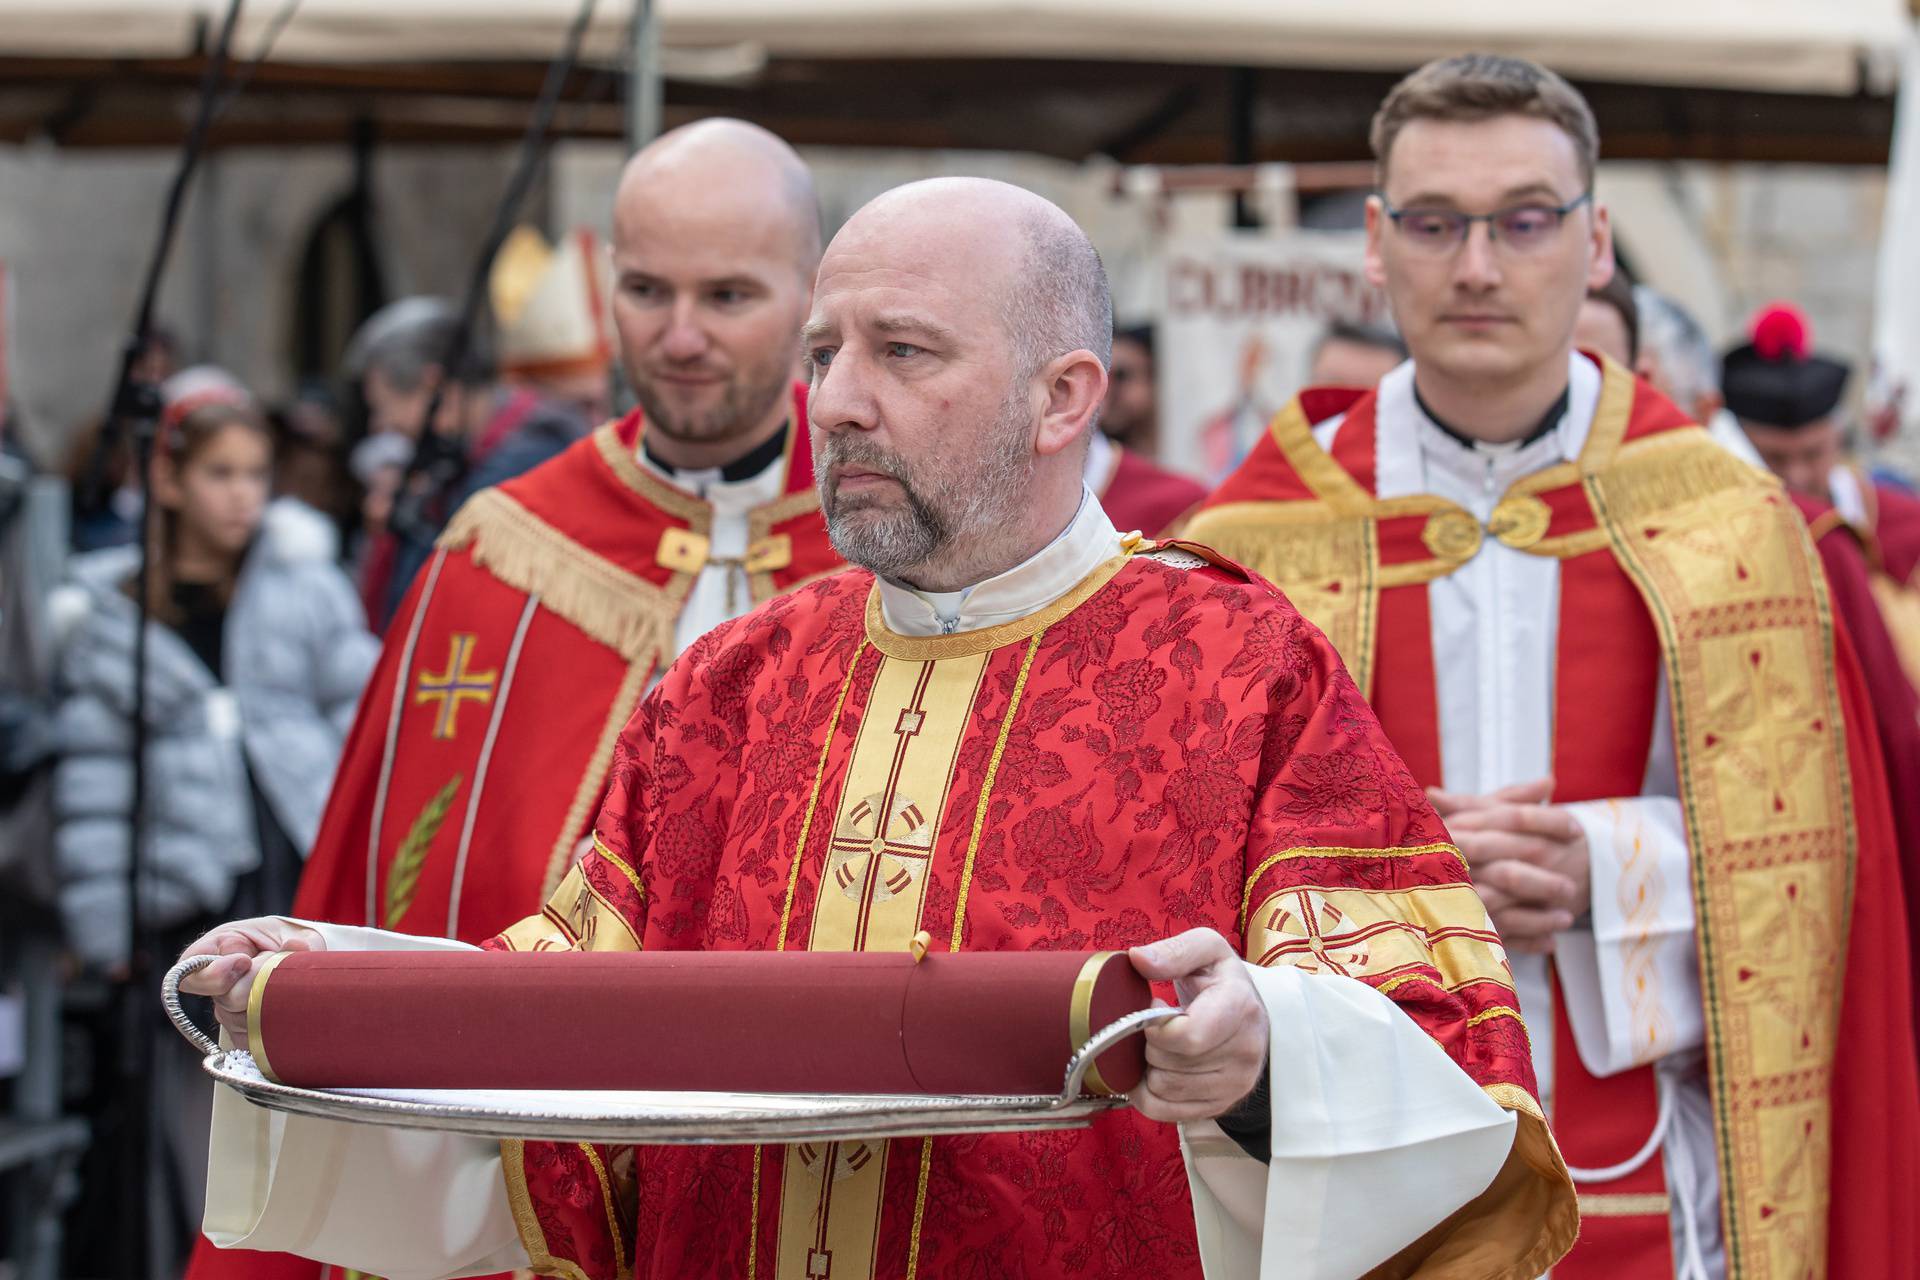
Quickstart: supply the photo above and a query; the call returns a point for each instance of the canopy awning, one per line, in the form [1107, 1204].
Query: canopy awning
[1141, 81]
[1833, 47]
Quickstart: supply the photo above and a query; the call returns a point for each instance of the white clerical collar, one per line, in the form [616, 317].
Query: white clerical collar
[1401, 471]
[1088, 541]
[711, 484]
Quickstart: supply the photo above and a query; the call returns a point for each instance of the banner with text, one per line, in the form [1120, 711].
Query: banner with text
[1243, 314]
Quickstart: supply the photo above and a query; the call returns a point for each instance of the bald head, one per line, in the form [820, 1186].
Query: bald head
[722, 169]
[960, 338]
[1047, 278]
[716, 237]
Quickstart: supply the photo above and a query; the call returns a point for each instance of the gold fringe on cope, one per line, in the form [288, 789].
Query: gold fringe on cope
[1654, 476]
[626, 613]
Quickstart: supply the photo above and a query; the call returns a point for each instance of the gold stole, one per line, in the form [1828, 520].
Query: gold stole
[1746, 635]
[873, 886]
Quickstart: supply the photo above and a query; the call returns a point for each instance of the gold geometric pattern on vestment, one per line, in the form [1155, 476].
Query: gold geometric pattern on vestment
[1362, 933]
[848, 1158]
[891, 854]
[870, 898]
[1746, 633]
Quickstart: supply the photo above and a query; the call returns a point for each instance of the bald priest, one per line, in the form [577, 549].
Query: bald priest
[1012, 728]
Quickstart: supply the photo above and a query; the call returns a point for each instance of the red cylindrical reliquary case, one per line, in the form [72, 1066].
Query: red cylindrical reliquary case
[996, 1023]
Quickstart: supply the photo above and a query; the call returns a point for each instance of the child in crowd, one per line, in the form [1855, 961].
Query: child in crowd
[256, 657]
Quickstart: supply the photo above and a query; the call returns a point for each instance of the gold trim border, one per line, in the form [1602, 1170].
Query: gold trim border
[621, 1269]
[614, 607]
[1273, 860]
[986, 789]
[1739, 1219]
[960, 904]
[919, 1209]
[965, 644]
[627, 469]
[256, 996]
[513, 1169]
[593, 779]
[1624, 1204]
[620, 865]
[1080, 1017]
[813, 796]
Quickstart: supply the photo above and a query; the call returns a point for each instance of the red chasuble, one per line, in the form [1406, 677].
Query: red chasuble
[1675, 557]
[1140, 495]
[1890, 537]
[479, 754]
[1167, 746]
[1896, 709]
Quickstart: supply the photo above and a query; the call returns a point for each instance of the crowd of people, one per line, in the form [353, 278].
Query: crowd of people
[1598, 767]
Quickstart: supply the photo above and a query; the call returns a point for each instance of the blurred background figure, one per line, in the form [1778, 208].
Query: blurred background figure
[512, 402]
[1131, 417]
[257, 657]
[1609, 322]
[396, 361]
[310, 454]
[1678, 358]
[1137, 493]
[1355, 355]
[106, 502]
[550, 316]
[32, 551]
[1787, 399]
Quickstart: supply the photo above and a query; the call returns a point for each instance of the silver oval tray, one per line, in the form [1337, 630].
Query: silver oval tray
[562, 1115]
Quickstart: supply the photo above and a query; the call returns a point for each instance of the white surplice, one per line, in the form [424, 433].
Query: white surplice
[1629, 969]
[720, 591]
[1377, 1134]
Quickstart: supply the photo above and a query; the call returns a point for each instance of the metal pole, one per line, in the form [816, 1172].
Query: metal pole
[644, 97]
[134, 408]
[1240, 141]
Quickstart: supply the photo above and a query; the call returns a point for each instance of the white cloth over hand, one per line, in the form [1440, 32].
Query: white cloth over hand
[1377, 1137]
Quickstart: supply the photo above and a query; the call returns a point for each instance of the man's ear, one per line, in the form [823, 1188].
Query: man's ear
[1600, 269]
[1376, 265]
[1075, 385]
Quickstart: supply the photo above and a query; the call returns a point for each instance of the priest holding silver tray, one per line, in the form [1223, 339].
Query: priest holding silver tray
[856, 976]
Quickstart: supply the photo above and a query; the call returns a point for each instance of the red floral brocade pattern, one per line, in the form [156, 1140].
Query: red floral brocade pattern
[1180, 750]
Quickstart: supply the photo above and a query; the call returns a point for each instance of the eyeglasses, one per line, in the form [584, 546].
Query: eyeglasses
[1521, 228]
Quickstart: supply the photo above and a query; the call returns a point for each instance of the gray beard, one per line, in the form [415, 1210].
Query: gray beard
[943, 515]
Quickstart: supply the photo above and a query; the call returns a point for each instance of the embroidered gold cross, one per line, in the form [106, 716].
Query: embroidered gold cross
[453, 685]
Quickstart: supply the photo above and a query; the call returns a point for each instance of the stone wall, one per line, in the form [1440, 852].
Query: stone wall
[76, 229]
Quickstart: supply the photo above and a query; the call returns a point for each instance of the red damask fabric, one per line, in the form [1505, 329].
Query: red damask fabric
[1172, 734]
[446, 863]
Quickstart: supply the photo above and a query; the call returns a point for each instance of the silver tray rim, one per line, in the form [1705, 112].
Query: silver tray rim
[658, 1119]
[668, 1119]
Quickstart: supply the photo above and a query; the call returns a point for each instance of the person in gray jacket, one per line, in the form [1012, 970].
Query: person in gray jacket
[256, 656]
